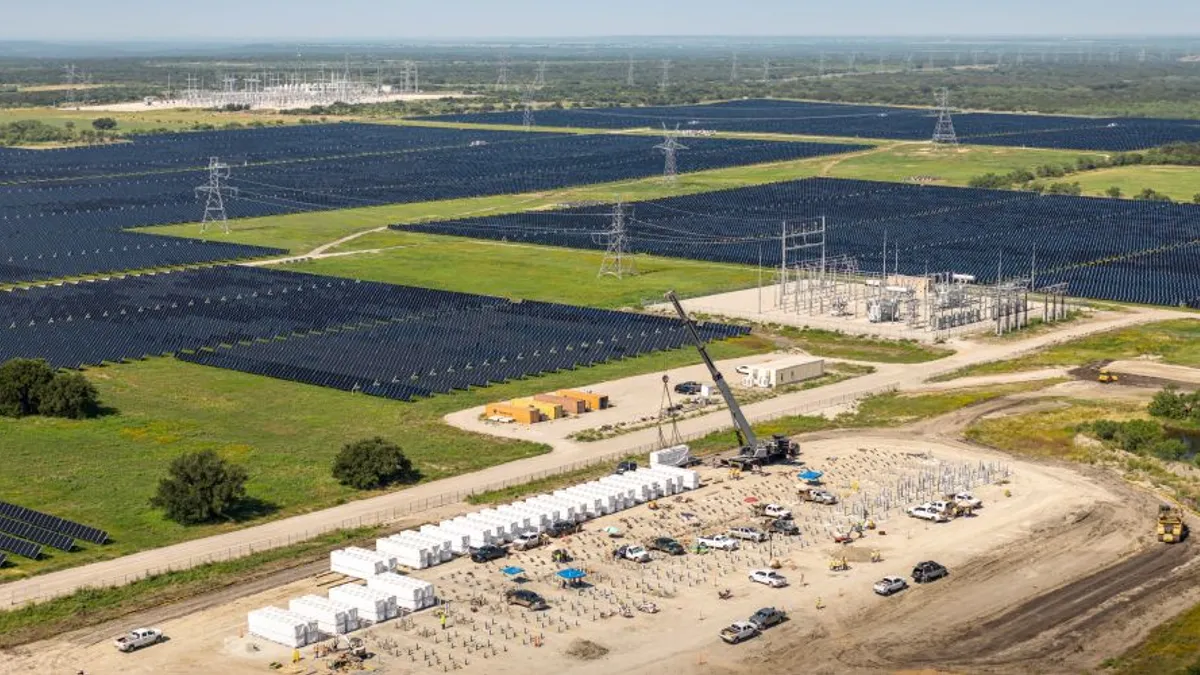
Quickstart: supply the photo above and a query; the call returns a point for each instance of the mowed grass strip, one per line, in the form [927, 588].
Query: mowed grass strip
[1176, 341]
[102, 472]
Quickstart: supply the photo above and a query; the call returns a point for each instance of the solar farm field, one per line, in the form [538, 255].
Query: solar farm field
[55, 224]
[1090, 243]
[392, 341]
[868, 121]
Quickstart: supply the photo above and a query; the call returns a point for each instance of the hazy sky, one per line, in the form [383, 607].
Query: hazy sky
[399, 19]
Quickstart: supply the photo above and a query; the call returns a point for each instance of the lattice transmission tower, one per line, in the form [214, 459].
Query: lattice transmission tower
[618, 261]
[665, 80]
[215, 192]
[943, 133]
[502, 79]
[670, 147]
[527, 107]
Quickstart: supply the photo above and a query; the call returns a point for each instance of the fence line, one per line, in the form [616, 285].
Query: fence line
[417, 506]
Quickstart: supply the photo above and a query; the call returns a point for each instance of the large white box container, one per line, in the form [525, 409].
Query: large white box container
[332, 617]
[283, 627]
[411, 594]
[459, 543]
[785, 371]
[406, 553]
[360, 562]
[373, 605]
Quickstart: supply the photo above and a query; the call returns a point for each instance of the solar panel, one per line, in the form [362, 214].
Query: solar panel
[3, 558]
[25, 549]
[53, 523]
[37, 534]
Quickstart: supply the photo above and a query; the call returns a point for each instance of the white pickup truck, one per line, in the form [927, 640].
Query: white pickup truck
[138, 638]
[718, 541]
[738, 631]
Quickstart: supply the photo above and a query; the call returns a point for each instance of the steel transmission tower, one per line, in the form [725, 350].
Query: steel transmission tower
[502, 80]
[617, 259]
[629, 74]
[733, 75]
[666, 75]
[527, 106]
[215, 192]
[670, 147]
[943, 133]
[540, 80]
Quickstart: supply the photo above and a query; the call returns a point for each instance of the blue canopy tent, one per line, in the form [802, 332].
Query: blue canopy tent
[812, 477]
[572, 575]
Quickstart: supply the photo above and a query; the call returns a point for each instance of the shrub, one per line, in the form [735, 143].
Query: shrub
[104, 124]
[68, 395]
[1137, 436]
[372, 463]
[21, 384]
[1170, 449]
[200, 487]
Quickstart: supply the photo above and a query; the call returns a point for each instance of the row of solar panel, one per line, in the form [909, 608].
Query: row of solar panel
[54, 523]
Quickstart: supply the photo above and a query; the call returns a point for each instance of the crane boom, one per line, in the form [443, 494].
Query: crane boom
[745, 434]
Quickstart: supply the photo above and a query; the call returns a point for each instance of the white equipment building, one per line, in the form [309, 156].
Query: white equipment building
[783, 372]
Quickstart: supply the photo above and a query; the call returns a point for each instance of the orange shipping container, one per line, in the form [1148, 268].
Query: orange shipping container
[571, 406]
[550, 411]
[522, 414]
[592, 401]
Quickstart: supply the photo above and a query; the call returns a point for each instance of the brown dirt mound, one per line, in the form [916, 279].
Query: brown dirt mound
[586, 650]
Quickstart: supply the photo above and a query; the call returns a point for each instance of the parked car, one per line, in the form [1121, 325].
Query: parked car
[742, 370]
[625, 467]
[720, 541]
[487, 552]
[776, 511]
[929, 571]
[632, 552]
[747, 533]
[524, 542]
[926, 512]
[526, 599]
[817, 496]
[667, 545]
[138, 638]
[890, 585]
[784, 526]
[769, 577]
[561, 528]
[738, 631]
[968, 500]
[767, 617]
[688, 388]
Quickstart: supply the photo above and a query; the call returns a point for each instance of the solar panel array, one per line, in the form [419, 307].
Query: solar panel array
[1101, 246]
[46, 521]
[869, 121]
[393, 341]
[68, 213]
[25, 549]
[36, 534]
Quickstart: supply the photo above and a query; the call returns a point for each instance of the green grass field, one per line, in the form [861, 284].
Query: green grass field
[103, 471]
[142, 120]
[1176, 341]
[1181, 183]
[947, 166]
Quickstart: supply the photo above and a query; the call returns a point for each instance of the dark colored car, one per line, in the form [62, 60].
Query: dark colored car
[929, 571]
[526, 599]
[667, 545]
[561, 528]
[688, 388]
[624, 467]
[784, 526]
[767, 617]
[486, 553]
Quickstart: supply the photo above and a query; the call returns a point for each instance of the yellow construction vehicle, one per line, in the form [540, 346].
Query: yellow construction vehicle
[1171, 528]
[1106, 376]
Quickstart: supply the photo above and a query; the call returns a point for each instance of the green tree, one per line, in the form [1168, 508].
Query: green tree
[1137, 436]
[372, 463]
[1169, 403]
[1114, 192]
[200, 487]
[1196, 198]
[104, 124]
[1169, 449]
[21, 384]
[68, 395]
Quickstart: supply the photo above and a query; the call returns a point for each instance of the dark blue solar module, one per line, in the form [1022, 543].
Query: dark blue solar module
[869, 121]
[936, 229]
[45, 521]
[55, 225]
[382, 339]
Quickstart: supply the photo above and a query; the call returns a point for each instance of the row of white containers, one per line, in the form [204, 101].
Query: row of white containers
[377, 569]
[435, 544]
[349, 607]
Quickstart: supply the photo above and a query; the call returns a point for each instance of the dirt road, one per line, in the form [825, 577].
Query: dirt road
[390, 507]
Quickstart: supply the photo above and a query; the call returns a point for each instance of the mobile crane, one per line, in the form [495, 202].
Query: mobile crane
[753, 452]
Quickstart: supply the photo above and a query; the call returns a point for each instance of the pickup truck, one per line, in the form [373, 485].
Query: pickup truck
[773, 511]
[738, 631]
[747, 533]
[138, 638]
[769, 577]
[767, 617]
[927, 512]
[781, 526]
[721, 541]
[632, 552]
[967, 500]
[524, 542]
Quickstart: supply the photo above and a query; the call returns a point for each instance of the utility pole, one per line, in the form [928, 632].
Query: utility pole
[215, 191]
[670, 147]
[617, 262]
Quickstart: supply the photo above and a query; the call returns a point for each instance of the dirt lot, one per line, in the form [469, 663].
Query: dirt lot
[1056, 527]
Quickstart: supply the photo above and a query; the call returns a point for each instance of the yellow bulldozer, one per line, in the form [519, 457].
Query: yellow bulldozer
[1171, 527]
[1107, 376]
